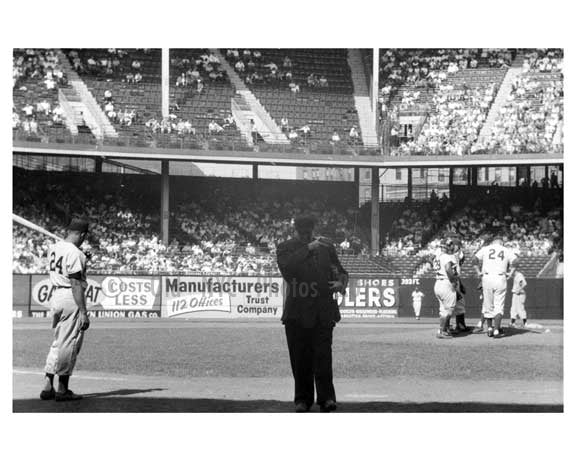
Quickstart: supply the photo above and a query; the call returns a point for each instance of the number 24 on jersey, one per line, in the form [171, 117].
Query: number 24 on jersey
[55, 265]
[492, 254]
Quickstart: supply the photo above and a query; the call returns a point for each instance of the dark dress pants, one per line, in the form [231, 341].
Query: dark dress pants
[310, 352]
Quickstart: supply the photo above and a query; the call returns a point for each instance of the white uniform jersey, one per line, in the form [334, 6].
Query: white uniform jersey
[440, 263]
[495, 259]
[65, 258]
[417, 297]
[519, 284]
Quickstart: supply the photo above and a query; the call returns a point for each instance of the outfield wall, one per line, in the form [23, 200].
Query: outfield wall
[243, 297]
[544, 298]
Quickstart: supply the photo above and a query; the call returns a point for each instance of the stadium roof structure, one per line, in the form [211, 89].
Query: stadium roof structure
[284, 159]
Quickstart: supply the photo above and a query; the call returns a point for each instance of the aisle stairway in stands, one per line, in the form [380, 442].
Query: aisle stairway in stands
[362, 99]
[212, 103]
[79, 103]
[243, 115]
[264, 124]
[499, 102]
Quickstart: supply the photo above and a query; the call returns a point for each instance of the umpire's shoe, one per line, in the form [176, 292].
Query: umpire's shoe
[301, 407]
[328, 406]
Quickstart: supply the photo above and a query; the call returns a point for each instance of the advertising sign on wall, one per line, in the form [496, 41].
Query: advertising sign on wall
[106, 296]
[260, 297]
[20, 295]
[221, 297]
[370, 297]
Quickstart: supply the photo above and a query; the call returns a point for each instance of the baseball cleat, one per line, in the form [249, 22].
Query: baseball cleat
[48, 395]
[66, 396]
[498, 333]
[490, 332]
[443, 335]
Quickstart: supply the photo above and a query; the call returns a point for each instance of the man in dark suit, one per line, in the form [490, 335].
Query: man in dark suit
[313, 273]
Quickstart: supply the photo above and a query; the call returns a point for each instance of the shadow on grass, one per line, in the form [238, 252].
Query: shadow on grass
[96, 403]
[120, 392]
[507, 331]
[517, 331]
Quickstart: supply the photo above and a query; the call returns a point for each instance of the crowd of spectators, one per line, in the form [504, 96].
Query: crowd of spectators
[40, 65]
[529, 119]
[230, 235]
[43, 111]
[222, 233]
[530, 226]
[454, 126]
[429, 68]
[37, 74]
[175, 124]
[543, 60]
[112, 63]
[122, 117]
[301, 136]
[415, 226]
[192, 72]
[528, 122]
[254, 70]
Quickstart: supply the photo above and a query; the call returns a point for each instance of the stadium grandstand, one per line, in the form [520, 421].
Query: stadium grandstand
[465, 143]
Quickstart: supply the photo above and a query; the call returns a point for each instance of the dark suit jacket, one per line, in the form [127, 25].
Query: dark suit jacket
[308, 297]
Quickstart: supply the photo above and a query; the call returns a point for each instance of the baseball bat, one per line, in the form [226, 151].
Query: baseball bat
[33, 226]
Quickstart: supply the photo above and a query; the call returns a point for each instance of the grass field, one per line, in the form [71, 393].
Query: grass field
[399, 366]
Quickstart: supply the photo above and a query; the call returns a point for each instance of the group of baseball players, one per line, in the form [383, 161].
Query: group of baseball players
[494, 264]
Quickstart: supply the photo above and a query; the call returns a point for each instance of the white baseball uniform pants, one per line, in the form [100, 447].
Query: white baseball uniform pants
[446, 295]
[518, 309]
[494, 293]
[417, 306]
[68, 335]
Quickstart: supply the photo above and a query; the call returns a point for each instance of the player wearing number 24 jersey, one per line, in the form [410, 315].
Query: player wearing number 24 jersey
[65, 258]
[67, 266]
[496, 261]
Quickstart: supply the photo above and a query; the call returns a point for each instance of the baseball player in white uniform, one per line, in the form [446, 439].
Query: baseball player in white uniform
[496, 261]
[67, 265]
[445, 287]
[518, 298]
[417, 296]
